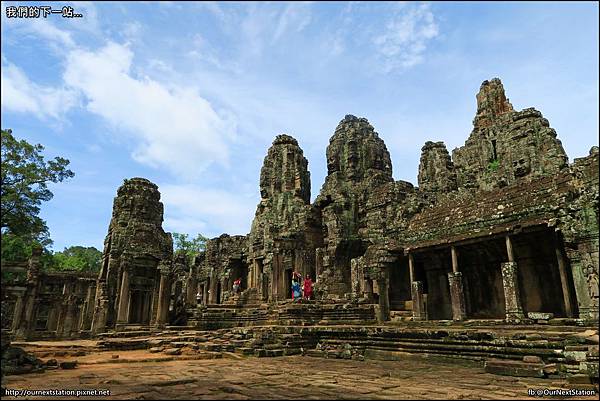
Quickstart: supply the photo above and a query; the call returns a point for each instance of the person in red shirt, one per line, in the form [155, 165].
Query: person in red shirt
[307, 287]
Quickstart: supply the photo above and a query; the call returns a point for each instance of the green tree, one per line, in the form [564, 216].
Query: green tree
[25, 175]
[190, 247]
[86, 259]
[18, 249]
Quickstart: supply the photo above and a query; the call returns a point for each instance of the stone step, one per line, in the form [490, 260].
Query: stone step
[514, 368]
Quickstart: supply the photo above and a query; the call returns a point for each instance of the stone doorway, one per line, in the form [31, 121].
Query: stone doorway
[239, 270]
[399, 291]
[139, 307]
[432, 269]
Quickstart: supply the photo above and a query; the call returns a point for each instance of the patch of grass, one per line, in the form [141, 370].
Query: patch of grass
[493, 165]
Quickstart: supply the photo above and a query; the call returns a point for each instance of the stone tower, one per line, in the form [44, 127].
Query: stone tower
[358, 162]
[436, 170]
[286, 227]
[136, 262]
[506, 145]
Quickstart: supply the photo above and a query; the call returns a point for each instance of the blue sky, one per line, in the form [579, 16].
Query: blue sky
[191, 95]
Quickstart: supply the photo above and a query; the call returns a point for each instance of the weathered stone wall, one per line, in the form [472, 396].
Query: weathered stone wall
[223, 258]
[47, 304]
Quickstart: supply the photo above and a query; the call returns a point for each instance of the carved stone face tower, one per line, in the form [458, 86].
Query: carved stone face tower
[506, 145]
[357, 163]
[136, 252]
[436, 170]
[286, 228]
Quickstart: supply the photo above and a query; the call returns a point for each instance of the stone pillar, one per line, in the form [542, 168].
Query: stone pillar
[86, 321]
[512, 297]
[319, 262]
[369, 290]
[457, 295]
[384, 299]
[122, 314]
[509, 249]
[411, 267]
[454, 259]
[418, 303]
[205, 292]
[17, 314]
[26, 322]
[69, 315]
[101, 306]
[584, 266]
[163, 300]
[564, 280]
[191, 287]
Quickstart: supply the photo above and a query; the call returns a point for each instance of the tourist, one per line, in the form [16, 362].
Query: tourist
[307, 287]
[236, 286]
[198, 298]
[296, 290]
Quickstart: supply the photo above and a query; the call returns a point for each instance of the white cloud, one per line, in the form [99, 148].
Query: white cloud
[296, 17]
[175, 127]
[20, 94]
[403, 43]
[192, 209]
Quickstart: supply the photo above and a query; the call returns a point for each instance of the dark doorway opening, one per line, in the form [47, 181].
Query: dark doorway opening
[287, 282]
[480, 264]
[432, 268]
[239, 270]
[539, 278]
[399, 292]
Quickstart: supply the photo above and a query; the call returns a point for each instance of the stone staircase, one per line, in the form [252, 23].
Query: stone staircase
[212, 317]
[538, 351]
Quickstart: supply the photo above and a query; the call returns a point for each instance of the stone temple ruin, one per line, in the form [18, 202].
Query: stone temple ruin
[503, 233]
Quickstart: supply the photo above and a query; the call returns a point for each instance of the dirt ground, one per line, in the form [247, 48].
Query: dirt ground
[295, 377]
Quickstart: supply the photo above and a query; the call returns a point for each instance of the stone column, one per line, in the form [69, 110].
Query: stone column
[454, 259]
[584, 266]
[205, 292]
[509, 249]
[510, 282]
[69, 315]
[191, 287]
[163, 300]
[418, 305]
[411, 268]
[369, 289]
[457, 294]
[512, 297]
[122, 314]
[384, 300]
[564, 281]
[26, 322]
[101, 306]
[17, 314]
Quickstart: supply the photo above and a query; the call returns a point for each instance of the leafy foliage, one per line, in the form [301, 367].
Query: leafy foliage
[494, 165]
[18, 249]
[85, 259]
[25, 175]
[191, 248]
